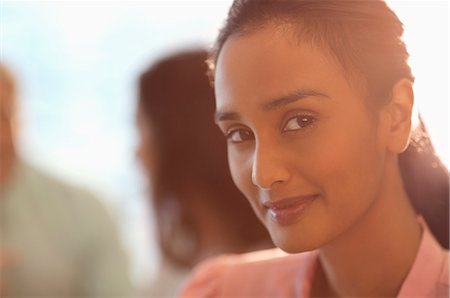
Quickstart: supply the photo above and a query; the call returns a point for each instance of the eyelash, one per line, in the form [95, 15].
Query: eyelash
[309, 118]
[230, 133]
[309, 123]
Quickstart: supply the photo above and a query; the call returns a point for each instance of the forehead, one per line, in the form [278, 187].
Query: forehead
[269, 63]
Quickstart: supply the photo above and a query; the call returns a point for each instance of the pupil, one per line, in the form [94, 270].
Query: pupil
[303, 121]
[243, 135]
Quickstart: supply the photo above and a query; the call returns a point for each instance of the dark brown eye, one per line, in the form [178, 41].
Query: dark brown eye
[239, 135]
[299, 122]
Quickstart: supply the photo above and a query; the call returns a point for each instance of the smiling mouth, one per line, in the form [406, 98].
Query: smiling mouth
[288, 211]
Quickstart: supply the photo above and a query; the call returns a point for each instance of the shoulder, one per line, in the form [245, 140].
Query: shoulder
[59, 204]
[44, 189]
[429, 274]
[443, 284]
[252, 274]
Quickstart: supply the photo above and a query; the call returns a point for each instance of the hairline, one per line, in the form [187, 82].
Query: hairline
[356, 79]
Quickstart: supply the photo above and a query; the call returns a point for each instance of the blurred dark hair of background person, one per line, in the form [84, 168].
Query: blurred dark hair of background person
[199, 211]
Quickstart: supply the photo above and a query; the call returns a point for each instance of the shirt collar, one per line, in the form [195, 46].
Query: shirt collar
[425, 273]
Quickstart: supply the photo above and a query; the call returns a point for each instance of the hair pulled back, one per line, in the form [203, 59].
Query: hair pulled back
[365, 39]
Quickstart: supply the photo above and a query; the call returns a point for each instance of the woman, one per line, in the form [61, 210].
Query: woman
[199, 212]
[315, 99]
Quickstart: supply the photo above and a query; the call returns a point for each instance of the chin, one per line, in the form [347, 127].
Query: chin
[293, 243]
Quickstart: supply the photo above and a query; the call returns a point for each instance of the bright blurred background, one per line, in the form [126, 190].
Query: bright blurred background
[77, 63]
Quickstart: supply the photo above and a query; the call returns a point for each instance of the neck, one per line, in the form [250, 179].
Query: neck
[382, 245]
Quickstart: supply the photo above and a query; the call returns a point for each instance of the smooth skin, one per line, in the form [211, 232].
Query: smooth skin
[297, 125]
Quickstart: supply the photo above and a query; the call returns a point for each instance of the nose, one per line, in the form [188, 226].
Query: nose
[269, 169]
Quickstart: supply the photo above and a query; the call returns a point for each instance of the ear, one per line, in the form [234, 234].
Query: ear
[399, 113]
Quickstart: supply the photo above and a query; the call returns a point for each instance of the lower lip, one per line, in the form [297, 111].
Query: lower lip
[291, 214]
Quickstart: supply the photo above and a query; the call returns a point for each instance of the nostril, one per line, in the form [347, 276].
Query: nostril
[269, 175]
[269, 168]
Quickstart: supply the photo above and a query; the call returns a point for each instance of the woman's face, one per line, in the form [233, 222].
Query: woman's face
[302, 146]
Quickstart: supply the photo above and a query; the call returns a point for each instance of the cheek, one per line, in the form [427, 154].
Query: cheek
[347, 171]
[240, 164]
[239, 172]
[350, 174]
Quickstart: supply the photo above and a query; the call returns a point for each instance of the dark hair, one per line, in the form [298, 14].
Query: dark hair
[176, 98]
[364, 37]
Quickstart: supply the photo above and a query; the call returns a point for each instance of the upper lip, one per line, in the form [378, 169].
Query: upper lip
[289, 202]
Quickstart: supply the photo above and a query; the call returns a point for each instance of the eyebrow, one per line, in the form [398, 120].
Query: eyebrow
[292, 97]
[273, 104]
[224, 116]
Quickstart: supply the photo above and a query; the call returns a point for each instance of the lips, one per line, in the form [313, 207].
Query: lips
[289, 210]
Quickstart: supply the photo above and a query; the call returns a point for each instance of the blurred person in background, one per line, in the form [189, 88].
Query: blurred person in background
[199, 211]
[55, 240]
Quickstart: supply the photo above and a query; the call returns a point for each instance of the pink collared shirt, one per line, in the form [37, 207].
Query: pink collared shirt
[273, 273]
